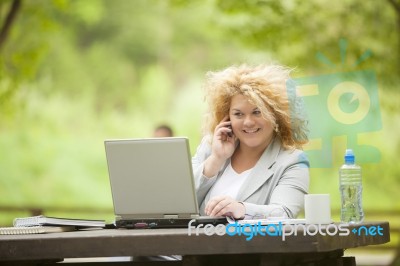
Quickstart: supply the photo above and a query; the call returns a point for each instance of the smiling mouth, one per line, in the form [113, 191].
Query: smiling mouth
[251, 131]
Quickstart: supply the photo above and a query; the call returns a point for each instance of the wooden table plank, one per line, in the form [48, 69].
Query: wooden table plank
[147, 242]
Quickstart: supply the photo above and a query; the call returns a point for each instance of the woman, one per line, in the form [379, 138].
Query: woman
[250, 164]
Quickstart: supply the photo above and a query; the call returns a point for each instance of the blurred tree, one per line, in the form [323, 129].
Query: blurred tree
[23, 49]
[297, 31]
[8, 20]
[7, 23]
[396, 6]
[109, 49]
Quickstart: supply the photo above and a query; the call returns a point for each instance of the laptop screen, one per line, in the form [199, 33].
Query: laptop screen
[151, 178]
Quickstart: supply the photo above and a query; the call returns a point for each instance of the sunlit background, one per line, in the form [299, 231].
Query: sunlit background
[74, 73]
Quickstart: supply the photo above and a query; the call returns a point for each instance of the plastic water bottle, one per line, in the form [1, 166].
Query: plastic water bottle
[351, 190]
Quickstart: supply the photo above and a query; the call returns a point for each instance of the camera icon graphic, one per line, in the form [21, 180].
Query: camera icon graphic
[340, 105]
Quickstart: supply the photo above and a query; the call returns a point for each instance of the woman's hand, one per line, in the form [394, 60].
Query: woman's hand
[223, 146]
[225, 206]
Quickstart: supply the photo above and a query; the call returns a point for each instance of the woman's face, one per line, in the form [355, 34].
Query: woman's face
[248, 124]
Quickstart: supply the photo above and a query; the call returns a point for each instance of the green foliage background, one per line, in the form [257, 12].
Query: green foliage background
[74, 73]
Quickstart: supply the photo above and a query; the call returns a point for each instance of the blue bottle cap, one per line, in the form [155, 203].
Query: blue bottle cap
[349, 157]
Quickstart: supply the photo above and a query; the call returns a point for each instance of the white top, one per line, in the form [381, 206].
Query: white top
[229, 183]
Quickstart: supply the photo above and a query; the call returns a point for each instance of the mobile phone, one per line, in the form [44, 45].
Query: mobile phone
[230, 134]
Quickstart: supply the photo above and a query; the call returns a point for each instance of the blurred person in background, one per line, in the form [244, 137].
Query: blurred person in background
[163, 131]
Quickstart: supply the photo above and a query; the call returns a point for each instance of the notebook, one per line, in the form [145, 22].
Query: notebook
[25, 230]
[152, 183]
[45, 220]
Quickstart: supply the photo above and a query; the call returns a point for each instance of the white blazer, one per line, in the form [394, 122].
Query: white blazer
[279, 180]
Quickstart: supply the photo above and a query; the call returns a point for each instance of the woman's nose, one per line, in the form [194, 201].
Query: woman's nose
[248, 121]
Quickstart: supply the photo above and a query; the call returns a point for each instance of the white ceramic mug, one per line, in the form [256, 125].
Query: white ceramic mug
[317, 208]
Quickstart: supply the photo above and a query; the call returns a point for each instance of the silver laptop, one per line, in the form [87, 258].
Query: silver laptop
[152, 183]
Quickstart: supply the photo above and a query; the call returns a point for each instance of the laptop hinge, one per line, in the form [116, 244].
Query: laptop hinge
[171, 216]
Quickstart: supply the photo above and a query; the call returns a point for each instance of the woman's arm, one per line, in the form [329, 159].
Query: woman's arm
[202, 183]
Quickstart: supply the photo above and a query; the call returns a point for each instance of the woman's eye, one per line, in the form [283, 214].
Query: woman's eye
[257, 112]
[237, 114]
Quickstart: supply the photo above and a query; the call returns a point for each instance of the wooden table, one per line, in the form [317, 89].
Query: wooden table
[198, 249]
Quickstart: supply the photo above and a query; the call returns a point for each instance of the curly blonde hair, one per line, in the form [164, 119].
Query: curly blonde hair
[266, 86]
